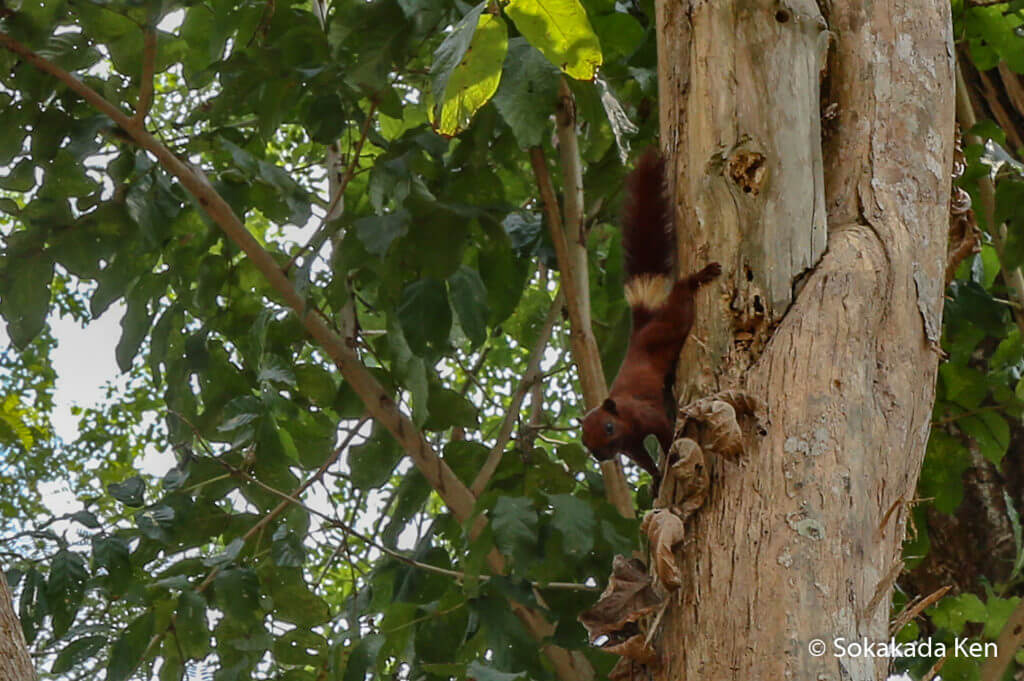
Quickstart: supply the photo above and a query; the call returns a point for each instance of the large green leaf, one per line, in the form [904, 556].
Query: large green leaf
[467, 69]
[127, 652]
[25, 295]
[561, 31]
[425, 315]
[514, 521]
[469, 299]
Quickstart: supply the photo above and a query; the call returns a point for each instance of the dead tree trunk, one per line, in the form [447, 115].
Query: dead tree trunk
[15, 663]
[789, 124]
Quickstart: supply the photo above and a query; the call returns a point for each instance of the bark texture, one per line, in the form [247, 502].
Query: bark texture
[801, 539]
[15, 663]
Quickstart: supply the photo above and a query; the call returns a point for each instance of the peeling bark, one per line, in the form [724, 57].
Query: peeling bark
[799, 539]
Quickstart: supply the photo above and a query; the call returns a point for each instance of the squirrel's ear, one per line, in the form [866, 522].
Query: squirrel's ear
[609, 406]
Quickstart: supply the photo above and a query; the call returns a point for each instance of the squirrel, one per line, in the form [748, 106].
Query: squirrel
[639, 401]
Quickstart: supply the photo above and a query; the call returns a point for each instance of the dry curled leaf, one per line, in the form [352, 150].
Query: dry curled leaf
[714, 421]
[685, 486]
[627, 598]
[635, 648]
[665, 531]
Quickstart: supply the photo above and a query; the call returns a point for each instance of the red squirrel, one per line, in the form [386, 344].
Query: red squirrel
[638, 403]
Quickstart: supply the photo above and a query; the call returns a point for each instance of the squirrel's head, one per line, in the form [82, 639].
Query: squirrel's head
[603, 430]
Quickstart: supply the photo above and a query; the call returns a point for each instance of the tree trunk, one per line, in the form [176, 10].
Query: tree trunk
[800, 540]
[15, 663]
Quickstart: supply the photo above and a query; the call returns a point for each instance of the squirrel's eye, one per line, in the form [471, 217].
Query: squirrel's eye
[609, 427]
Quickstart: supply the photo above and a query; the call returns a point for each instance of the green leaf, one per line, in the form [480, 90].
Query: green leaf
[504, 275]
[126, 653]
[963, 385]
[287, 549]
[448, 409]
[469, 298]
[76, 652]
[128, 492]
[990, 431]
[86, 518]
[561, 31]
[452, 51]
[528, 93]
[377, 232]
[373, 462]
[25, 295]
[274, 369]
[514, 522]
[65, 588]
[992, 35]
[999, 611]
[316, 383]
[112, 554]
[952, 612]
[21, 177]
[362, 656]
[574, 519]
[237, 592]
[620, 34]
[409, 370]
[134, 327]
[191, 625]
[481, 672]
[425, 315]
[293, 600]
[465, 79]
[946, 459]
[301, 647]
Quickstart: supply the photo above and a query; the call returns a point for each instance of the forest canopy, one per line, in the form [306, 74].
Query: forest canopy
[335, 236]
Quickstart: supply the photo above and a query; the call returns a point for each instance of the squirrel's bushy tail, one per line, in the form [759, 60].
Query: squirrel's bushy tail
[648, 241]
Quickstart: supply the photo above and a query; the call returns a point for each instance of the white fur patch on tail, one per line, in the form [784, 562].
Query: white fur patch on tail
[647, 290]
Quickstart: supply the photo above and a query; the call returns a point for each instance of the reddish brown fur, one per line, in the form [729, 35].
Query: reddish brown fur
[636, 404]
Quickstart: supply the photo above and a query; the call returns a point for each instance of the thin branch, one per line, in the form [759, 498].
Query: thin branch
[334, 207]
[283, 506]
[530, 377]
[145, 102]
[471, 372]
[581, 336]
[574, 212]
[882, 589]
[289, 499]
[570, 666]
[915, 608]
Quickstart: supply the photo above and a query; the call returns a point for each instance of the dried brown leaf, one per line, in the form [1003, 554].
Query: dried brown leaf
[627, 598]
[665, 531]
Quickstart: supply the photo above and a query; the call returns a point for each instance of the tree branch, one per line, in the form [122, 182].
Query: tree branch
[289, 499]
[293, 500]
[380, 405]
[584, 346]
[581, 337]
[572, 206]
[530, 376]
[335, 205]
[145, 102]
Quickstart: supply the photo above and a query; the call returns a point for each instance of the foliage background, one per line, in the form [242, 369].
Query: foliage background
[409, 124]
